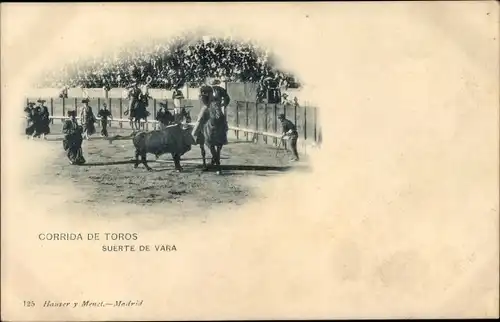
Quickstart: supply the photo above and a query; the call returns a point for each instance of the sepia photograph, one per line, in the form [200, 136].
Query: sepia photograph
[203, 161]
[216, 109]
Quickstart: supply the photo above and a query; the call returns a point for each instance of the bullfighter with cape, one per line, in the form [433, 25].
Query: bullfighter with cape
[72, 142]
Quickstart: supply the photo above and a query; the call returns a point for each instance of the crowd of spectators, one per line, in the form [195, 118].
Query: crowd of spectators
[173, 63]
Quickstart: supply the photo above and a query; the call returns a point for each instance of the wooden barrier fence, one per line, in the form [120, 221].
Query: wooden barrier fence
[249, 120]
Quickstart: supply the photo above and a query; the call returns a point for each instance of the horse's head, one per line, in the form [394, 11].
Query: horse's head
[206, 94]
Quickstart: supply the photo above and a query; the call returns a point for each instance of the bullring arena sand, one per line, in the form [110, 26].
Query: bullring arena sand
[397, 216]
[109, 178]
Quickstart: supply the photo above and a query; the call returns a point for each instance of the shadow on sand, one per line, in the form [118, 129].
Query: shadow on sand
[239, 167]
[132, 161]
[225, 167]
[233, 169]
[60, 137]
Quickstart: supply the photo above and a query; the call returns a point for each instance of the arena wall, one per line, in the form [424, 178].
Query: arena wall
[237, 91]
[243, 113]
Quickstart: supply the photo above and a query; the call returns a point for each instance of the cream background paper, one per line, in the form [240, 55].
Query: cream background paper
[399, 217]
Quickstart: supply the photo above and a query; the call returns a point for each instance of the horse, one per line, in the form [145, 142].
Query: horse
[138, 104]
[211, 129]
[141, 113]
[164, 116]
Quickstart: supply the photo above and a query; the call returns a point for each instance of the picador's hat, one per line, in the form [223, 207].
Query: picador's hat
[206, 91]
[31, 103]
[85, 100]
[40, 101]
[215, 82]
[281, 117]
[72, 113]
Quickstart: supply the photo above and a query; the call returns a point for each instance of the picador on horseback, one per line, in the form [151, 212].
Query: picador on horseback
[220, 96]
[163, 116]
[211, 127]
[139, 101]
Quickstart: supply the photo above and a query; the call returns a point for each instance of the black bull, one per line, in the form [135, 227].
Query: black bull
[172, 139]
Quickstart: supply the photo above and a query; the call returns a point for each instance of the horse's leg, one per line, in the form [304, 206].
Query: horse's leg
[132, 124]
[219, 148]
[203, 154]
[213, 161]
[139, 123]
[217, 160]
[214, 157]
[144, 161]
[69, 155]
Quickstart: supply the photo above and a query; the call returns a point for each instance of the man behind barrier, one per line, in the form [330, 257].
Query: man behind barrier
[289, 133]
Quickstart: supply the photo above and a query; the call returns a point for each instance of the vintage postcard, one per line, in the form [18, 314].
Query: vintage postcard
[197, 161]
